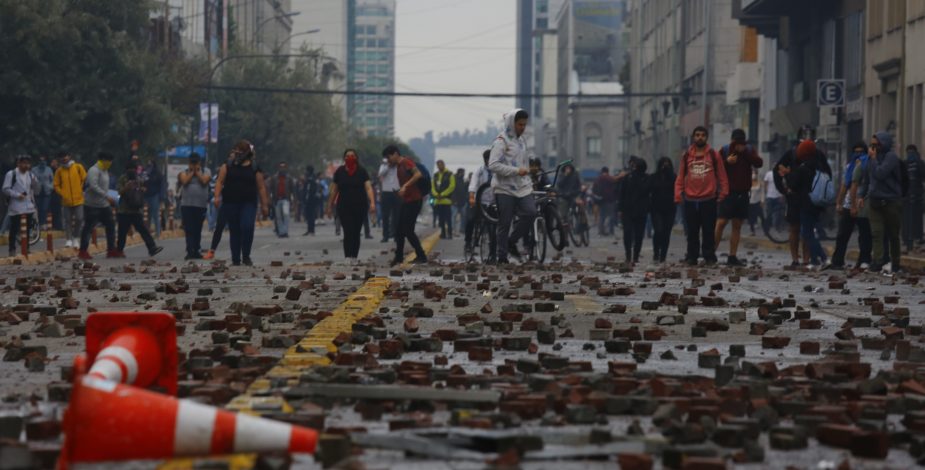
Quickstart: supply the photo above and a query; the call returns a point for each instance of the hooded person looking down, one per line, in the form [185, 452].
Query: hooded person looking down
[513, 187]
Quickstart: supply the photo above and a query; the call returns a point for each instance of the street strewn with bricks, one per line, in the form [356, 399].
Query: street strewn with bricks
[583, 362]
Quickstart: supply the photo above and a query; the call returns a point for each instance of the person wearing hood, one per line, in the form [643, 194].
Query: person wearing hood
[99, 202]
[912, 206]
[739, 159]
[512, 185]
[635, 199]
[810, 161]
[883, 189]
[663, 208]
[568, 189]
[69, 182]
[700, 185]
[783, 180]
[848, 216]
[352, 197]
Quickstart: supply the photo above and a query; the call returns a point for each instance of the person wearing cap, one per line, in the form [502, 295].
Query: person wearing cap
[19, 185]
[98, 203]
[810, 160]
[739, 159]
[194, 184]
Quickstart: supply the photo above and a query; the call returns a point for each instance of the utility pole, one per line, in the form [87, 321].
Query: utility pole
[708, 32]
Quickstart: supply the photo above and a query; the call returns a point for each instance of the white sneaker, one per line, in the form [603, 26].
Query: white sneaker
[68, 244]
[75, 243]
[888, 268]
[864, 266]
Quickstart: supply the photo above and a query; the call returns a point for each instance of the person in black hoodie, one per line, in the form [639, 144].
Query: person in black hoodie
[568, 189]
[635, 197]
[810, 160]
[663, 208]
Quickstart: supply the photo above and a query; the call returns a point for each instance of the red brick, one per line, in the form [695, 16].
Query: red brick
[635, 461]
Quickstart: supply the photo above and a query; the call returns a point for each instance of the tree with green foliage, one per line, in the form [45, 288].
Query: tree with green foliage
[80, 75]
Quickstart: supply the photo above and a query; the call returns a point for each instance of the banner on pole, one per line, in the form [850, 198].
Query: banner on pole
[208, 122]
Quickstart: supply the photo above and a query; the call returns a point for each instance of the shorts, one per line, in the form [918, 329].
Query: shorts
[793, 212]
[735, 206]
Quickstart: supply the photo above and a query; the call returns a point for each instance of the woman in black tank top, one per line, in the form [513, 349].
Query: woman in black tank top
[239, 184]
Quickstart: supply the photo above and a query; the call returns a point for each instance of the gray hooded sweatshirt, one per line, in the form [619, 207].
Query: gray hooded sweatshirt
[508, 155]
[884, 179]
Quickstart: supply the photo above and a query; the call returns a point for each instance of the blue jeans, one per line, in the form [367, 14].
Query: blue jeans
[41, 205]
[154, 214]
[282, 217]
[809, 219]
[241, 219]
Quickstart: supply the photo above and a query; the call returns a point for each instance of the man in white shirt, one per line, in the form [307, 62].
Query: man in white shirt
[19, 185]
[773, 200]
[389, 200]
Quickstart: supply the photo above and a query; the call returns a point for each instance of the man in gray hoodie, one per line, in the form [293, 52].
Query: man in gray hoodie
[98, 203]
[883, 187]
[509, 164]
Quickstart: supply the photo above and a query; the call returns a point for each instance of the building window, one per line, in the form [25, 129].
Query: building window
[594, 148]
[875, 18]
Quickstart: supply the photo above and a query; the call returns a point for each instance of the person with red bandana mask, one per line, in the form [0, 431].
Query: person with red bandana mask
[352, 194]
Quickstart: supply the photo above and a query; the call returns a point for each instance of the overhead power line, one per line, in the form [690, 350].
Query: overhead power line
[253, 89]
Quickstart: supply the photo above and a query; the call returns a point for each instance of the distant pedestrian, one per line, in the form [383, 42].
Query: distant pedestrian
[460, 201]
[220, 221]
[98, 204]
[412, 199]
[884, 196]
[755, 201]
[739, 160]
[913, 203]
[353, 199]
[46, 187]
[239, 185]
[663, 208]
[635, 202]
[700, 185]
[194, 183]
[311, 193]
[444, 183]
[19, 185]
[847, 210]
[154, 192]
[390, 202]
[282, 187]
[54, 204]
[605, 192]
[69, 183]
[129, 212]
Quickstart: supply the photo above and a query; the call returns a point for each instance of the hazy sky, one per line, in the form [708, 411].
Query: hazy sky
[453, 46]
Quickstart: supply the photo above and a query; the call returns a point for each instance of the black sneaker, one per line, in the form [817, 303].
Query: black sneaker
[156, 250]
[395, 262]
[420, 260]
[235, 263]
[734, 261]
[691, 262]
[875, 267]
[711, 262]
[512, 250]
[503, 260]
[248, 262]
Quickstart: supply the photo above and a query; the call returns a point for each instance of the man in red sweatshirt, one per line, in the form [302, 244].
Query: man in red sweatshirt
[700, 185]
[739, 159]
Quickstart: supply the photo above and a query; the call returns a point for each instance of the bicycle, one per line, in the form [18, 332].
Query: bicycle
[482, 233]
[579, 229]
[547, 226]
[776, 228]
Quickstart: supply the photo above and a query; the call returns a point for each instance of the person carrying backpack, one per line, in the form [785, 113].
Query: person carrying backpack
[884, 190]
[19, 186]
[808, 176]
[414, 183]
[700, 185]
[129, 212]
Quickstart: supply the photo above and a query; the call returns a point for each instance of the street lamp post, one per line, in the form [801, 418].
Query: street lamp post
[303, 33]
[257, 39]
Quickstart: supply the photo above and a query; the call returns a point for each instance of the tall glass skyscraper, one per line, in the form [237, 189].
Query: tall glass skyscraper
[371, 66]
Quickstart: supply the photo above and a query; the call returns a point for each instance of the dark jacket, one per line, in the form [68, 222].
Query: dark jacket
[884, 174]
[662, 182]
[636, 192]
[605, 189]
[739, 173]
[568, 186]
[801, 180]
[916, 169]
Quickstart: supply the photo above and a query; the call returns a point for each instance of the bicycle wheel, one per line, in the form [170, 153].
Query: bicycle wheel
[555, 230]
[775, 226]
[35, 235]
[574, 227]
[489, 212]
[538, 250]
[485, 252]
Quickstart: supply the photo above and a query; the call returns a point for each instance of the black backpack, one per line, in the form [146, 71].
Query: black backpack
[134, 196]
[424, 182]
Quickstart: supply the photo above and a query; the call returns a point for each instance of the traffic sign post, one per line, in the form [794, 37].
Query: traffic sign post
[830, 92]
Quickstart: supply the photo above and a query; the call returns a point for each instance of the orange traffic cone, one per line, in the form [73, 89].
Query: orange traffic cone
[131, 348]
[106, 421]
